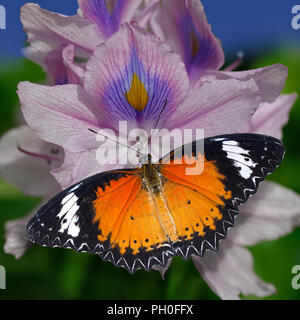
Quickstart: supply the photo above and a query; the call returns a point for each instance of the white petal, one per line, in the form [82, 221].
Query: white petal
[272, 213]
[16, 237]
[163, 270]
[29, 174]
[229, 272]
[218, 107]
[270, 80]
[48, 30]
[270, 118]
[61, 114]
[64, 174]
[273, 201]
[250, 230]
[87, 165]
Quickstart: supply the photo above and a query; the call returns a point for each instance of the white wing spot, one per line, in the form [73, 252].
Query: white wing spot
[234, 149]
[231, 142]
[67, 198]
[67, 204]
[75, 187]
[68, 214]
[240, 158]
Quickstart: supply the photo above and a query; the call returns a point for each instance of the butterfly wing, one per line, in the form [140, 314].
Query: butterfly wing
[116, 216]
[109, 214]
[68, 219]
[204, 206]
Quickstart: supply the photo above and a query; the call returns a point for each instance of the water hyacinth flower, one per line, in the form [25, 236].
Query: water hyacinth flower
[65, 42]
[184, 26]
[128, 76]
[26, 162]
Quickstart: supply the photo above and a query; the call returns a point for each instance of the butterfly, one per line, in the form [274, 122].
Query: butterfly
[140, 218]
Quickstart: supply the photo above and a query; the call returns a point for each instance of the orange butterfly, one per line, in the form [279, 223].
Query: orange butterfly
[138, 218]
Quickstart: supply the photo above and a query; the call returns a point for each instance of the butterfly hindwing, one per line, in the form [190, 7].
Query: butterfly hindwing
[110, 214]
[140, 241]
[68, 219]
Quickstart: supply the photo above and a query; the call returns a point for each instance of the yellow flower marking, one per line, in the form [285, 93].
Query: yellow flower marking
[137, 96]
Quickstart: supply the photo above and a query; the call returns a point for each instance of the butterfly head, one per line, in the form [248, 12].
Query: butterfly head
[145, 159]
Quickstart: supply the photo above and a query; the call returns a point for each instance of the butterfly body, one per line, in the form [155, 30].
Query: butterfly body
[153, 182]
[138, 218]
[151, 177]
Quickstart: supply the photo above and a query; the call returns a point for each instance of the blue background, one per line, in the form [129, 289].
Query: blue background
[249, 26]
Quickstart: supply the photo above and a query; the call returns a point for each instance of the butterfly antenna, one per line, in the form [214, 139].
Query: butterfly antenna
[117, 142]
[158, 118]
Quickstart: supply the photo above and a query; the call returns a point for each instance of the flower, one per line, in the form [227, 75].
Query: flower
[28, 161]
[271, 117]
[126, 73]
[26, 164]
[129, 78]
[184, 25]
[271, 213]
[64, 43]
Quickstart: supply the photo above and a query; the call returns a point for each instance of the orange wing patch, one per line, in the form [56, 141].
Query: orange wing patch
[141, 227]
[191, 210]
[208, 183]
[198, 204]
[112, 203]
[129, 225]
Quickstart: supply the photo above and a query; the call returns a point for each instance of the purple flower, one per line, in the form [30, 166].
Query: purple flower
[184, 25]
[129, 78]
[61, 44]
[129, 74]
